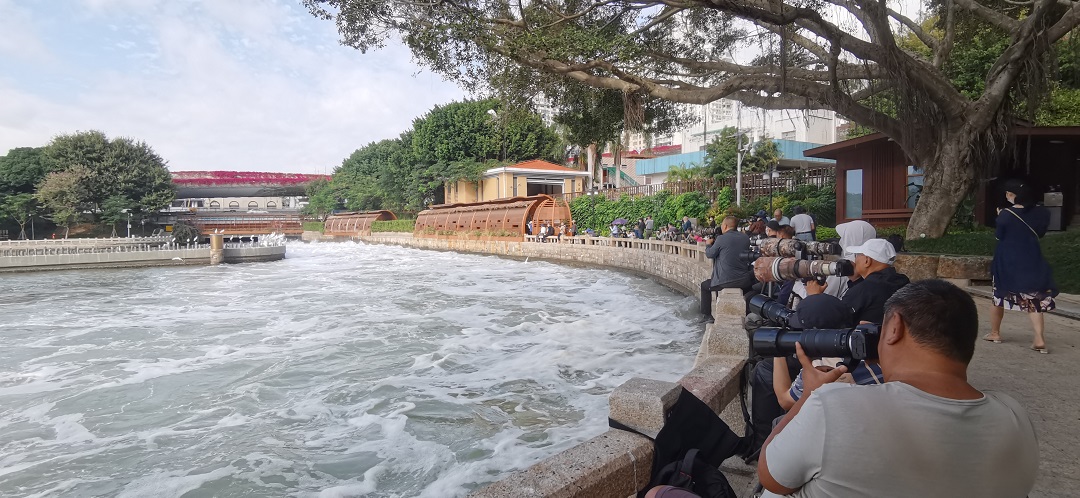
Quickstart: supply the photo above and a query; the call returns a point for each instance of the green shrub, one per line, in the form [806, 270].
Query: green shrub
[313, 226]
[393, 226]
[824, 233]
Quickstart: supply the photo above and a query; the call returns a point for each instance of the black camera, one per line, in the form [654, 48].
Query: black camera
[853, 345]
[768, 309]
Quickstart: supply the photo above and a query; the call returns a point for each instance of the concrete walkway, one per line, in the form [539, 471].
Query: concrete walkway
[1044, 384]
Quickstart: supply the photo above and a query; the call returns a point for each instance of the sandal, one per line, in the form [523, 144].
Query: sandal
[992, 339]
[1040, 349]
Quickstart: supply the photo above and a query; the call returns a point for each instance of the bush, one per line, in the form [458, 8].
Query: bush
[597, 212]
[314, 226]
[406, 226]
[825, 233]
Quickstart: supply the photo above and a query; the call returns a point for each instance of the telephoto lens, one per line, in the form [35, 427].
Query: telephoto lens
[785, 248]
[859, 343]
[816, 248]
[769, 309]
[768, 269]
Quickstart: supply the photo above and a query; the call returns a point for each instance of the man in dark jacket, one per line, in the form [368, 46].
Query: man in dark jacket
[729, 272]
[873, 262]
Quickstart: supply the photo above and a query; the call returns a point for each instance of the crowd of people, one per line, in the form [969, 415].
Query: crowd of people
[908, 423]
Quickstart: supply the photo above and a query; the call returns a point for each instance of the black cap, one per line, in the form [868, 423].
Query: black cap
[821, 311]
[773, 225]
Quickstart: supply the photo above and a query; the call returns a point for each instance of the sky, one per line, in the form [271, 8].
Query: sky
[246, 85]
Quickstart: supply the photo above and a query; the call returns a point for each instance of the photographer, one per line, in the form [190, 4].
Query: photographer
[873, 262]
[925, 432]
[771, 381]
[729, 272]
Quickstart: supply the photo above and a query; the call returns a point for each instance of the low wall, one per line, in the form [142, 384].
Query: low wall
[254, 254]
[617, 463]
[136, 258]
[955, 268]
[171, 257]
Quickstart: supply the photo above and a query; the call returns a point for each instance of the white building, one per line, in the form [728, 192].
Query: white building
[817, 126]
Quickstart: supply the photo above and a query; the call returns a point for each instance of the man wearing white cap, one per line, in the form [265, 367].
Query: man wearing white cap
[873, 262]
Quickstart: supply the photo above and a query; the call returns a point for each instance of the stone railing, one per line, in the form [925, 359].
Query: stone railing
[617, 463]
[62, 257]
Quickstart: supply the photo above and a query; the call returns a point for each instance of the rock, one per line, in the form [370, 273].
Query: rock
[917, 266]
[965, 267]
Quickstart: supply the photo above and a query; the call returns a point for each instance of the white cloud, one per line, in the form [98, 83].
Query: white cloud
[19, 38]
[225, 87]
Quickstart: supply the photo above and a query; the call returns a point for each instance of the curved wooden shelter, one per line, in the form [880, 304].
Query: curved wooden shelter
[491, 217]
[354, 224]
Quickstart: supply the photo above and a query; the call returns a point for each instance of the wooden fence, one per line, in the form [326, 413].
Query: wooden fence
[754, 185]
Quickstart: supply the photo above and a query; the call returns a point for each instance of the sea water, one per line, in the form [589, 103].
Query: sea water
[344, 370]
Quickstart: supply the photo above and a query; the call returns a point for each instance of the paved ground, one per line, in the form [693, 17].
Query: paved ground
[1045, 384]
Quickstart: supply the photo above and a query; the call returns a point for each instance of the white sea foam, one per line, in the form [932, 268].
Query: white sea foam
[345, 370]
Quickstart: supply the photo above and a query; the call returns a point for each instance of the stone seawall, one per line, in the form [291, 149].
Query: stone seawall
[616, 464]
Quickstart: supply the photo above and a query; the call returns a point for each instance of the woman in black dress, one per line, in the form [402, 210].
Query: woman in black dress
[1022, 277]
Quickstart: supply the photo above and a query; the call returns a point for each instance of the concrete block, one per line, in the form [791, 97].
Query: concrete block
[724, 337]
[715, 380]
[959, 282]
[728, 303]
[615, 464]
[964, 267]
[917, 266]
[641, 404]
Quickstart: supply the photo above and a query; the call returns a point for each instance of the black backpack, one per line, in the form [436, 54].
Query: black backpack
[690, 447]
[696, 475]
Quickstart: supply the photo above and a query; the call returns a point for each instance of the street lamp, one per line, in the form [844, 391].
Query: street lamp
[128, 211]
[739, 151]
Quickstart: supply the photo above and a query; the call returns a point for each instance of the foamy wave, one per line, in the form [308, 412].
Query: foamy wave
[344, 370]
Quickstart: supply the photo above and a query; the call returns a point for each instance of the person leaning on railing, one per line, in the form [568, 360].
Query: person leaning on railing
[925, 432]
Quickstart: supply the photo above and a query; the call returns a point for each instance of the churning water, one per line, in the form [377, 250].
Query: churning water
[344, 370]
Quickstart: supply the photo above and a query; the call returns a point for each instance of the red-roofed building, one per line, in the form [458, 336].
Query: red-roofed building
[240, 190]
[522, 179]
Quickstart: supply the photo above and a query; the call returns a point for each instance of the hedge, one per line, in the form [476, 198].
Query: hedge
[393, 226]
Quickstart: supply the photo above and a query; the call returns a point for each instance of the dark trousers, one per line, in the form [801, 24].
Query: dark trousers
[706, 296]
[707, 289]
[764, 408]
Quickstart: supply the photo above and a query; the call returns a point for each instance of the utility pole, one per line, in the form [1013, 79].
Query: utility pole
[738, 161]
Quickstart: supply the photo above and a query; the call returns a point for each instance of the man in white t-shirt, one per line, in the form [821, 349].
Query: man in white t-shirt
[925, 432]
[803, 224]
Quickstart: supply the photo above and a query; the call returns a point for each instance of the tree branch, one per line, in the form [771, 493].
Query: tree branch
[1001, 21]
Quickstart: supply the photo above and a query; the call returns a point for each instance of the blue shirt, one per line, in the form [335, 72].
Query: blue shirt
[863, 374]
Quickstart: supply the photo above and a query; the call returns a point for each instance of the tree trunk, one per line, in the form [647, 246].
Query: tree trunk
[950, 183]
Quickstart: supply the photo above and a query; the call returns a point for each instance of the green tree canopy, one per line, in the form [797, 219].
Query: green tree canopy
[118, 167]
[65, 194]
[20, 208]
[808, 59]
[456, 141]
[721, 155]
[21, 169]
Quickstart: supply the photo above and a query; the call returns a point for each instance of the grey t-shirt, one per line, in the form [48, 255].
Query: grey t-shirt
[802, 223]
[895, 440]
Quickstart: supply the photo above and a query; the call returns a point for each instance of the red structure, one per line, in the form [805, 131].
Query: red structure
[245, 224]
[204, 184]
[206, 178]
[508, 215]
[354, 224]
